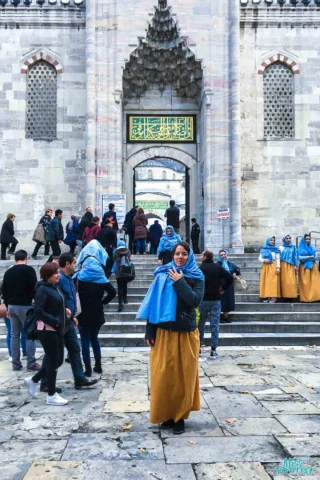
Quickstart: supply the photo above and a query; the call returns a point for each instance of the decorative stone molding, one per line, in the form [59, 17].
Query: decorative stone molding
[41, 55]
[279, 58]
[161, 152]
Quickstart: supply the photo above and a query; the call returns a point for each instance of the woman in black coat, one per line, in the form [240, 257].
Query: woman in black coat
[7, 236]
[228, 297]
[92, 284]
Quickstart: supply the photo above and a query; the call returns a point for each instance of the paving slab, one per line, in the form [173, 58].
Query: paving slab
[307, 378]
[199, 424]
[44, 426]
[227, 404]
[277, 408]
[39, 406]
[231, 471]
[300, 423]
[251, 426]
[100, 446]
[223, 449]
[244, 379]
[13, 470]
[114, 422]
[300, 445]
[136, 470]
[55, 470]
[16, 450]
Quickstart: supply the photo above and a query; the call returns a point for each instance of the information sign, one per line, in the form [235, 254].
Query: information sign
[119, 206]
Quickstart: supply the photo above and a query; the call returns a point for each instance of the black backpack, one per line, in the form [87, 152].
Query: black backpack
[126, 267]
[30, 325]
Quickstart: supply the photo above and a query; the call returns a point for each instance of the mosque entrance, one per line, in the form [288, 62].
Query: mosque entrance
[156, 182]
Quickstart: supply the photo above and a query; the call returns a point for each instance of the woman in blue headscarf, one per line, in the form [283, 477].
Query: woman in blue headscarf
[270, 272]
[172, 333]
[92, 283]
[168, 241]
[289, 268]
[309, 277]
[228, 303]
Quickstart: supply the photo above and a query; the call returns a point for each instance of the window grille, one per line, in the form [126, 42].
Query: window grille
[278, 97]
[42, 102]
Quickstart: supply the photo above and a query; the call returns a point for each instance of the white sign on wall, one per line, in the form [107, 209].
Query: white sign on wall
[223, 213]
[119, 206]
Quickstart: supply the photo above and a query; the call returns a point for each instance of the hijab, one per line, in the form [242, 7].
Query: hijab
[167, 242]
[267, 250]
[305, 250]
[91, 263]
[76, 219]
[160, 303]
[225, 263]
[289, 254]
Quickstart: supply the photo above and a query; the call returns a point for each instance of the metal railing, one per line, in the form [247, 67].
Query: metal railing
[315, 241]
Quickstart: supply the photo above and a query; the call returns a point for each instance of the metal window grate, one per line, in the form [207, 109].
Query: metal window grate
[278, 96]
[42, 102]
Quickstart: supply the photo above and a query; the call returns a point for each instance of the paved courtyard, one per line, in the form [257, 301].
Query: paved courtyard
[260, 406]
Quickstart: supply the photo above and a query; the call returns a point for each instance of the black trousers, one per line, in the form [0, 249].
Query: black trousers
[131, 240]
[38, 246]
[110, 262]
[52, 343]
[122, 288]
[111, 293]
[56, 250]
[72, 247]
[195, 246]
[4, 247]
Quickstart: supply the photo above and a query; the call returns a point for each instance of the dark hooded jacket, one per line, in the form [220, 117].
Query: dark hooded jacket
[128, 222]
[117, 256]
[7, 232]
[85, 221]
[155, 233]
[49, 306]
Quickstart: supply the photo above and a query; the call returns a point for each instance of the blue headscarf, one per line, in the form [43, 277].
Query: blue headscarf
[167, 242]
[225, 263]
[160, 303]
[305, 250]
[267, 250]
[289, 254]
[91, 263]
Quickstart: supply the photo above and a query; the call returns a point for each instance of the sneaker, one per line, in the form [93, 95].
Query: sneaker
[167, 425]
[44, 388]
[35, 368]
[10, 359]
[18, 369]
[213, 355]
[32, 387]
[85, 383]
[34, 257]
[178, 427]
[56, 400]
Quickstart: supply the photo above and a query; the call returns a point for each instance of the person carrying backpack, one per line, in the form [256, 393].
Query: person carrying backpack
[124, 272]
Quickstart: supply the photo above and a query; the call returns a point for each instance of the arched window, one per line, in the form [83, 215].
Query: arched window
[150, 174]
[278, 99]
[41, 121]
[164, 175]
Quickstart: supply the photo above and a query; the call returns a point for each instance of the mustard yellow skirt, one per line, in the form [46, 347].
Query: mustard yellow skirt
[288, 280]
[309, 284]
[174, 375]
[269, 281]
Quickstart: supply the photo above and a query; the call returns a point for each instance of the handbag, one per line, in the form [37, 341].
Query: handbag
[39, 235]
[30, 325]
[3, 311]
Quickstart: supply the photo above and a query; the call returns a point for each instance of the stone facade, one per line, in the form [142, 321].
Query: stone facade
[226, 45]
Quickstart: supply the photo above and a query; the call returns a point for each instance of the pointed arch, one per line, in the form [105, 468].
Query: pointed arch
[279, 57]
[38, 55]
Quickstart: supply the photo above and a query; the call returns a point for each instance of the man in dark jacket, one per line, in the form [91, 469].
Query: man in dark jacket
[172, 215]
[155, 234]
[195, 234]
[18, 290]
[67, 264]
[7, 236]
[108, 239]
[128, 226]
[111, 214]
[210, 307]
[55, 235]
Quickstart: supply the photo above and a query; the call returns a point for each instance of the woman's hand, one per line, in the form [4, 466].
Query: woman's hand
[266, 260]
[68, 312]
[75, 321]
[311, 256]
[278, 271]
[174, 275]
[151, 342]
[159, 262]
[234, 275]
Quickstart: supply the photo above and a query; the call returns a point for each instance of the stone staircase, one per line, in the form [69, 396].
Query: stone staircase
[253, 322]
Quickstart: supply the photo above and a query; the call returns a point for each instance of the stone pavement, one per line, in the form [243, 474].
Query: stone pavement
[260, 406]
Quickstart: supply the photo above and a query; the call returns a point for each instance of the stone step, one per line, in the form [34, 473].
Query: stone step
[226, 339]
[253, 285]
[246, 297]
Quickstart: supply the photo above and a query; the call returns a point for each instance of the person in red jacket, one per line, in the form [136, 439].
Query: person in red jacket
[91, 231]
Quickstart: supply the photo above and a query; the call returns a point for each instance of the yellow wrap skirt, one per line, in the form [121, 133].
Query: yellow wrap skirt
[174, 375]
[309, 284]
[288, 280]
[269, 281]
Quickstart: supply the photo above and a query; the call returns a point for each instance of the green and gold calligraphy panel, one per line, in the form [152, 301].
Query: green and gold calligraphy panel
[161, 128]
[152, 204]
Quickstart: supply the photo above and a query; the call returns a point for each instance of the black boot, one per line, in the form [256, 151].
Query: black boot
[120, 308]
[97, 367]
[88, 370]
[125, 300]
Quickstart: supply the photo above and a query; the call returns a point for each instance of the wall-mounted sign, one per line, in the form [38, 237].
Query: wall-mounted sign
[152, 205]
[223, 213]
[161, 128]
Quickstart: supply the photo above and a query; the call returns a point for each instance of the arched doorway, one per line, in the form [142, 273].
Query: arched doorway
[156, 182]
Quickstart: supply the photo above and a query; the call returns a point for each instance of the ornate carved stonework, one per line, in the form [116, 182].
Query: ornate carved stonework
[162, 58]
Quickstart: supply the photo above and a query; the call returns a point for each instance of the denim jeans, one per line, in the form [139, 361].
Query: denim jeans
[23, 339]
[71, 342]
[210, 311]
[141, 245]
[90, 335]
[154, 249]
[17, 318]
[79, 245]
